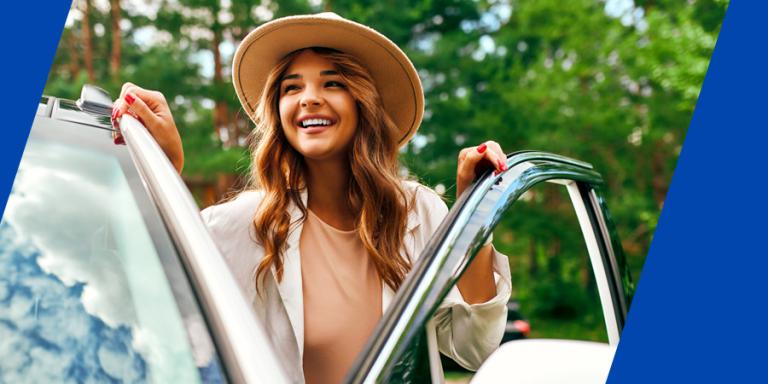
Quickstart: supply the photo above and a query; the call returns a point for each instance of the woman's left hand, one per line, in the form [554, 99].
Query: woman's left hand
[473, 161]
[477, 284]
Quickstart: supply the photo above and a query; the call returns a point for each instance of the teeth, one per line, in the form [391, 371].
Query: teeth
[310, 122]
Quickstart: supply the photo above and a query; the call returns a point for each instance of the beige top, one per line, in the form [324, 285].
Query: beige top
[466, 333]
[342, 299]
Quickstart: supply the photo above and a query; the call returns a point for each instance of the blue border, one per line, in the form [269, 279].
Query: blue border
[698, 315]
[31, 32]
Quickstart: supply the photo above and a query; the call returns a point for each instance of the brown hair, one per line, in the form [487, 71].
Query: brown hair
[375, 190]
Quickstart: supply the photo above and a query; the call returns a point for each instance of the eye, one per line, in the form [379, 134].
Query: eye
[335, 84]
[290, 87]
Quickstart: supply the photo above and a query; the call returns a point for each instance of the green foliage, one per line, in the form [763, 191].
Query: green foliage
[613, 87]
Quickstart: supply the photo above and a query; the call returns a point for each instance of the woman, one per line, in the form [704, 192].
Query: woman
[328, 229]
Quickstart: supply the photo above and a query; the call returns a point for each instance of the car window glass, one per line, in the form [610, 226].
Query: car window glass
[554, 289]
[83, 295]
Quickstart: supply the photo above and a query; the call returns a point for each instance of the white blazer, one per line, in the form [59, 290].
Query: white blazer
[466, 333]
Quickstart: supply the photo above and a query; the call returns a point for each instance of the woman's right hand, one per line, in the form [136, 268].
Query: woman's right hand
[151, 108]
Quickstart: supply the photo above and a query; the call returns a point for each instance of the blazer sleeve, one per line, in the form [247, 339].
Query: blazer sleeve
[469, 333]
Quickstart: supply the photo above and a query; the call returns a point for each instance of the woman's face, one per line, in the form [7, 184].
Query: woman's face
[317, 112]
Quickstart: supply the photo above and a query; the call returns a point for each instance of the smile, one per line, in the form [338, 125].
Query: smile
[315, 124]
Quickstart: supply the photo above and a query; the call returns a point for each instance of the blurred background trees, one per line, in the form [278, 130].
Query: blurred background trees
[610, 82]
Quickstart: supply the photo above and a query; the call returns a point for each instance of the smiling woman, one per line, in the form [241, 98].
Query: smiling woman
[327, 228]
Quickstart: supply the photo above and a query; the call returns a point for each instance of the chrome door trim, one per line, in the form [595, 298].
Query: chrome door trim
[597, 262]
[622, 286]
[244, 346]
[460, 235]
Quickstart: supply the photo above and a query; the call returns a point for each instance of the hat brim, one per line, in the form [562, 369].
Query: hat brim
[394, 74]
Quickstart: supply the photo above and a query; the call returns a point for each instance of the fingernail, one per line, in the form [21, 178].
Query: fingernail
[502, 166]
[129, 99]
[119, 140]
[481, 148]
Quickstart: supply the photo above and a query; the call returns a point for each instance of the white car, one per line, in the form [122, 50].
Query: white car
[107, 273]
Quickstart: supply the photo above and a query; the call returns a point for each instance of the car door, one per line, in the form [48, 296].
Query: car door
[107, 272]
[396, 351]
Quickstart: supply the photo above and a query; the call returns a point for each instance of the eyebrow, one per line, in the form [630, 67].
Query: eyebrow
[328, 72]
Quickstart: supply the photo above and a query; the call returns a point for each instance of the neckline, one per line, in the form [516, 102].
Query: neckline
[331, 227]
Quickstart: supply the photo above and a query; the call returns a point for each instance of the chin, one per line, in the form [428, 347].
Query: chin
[313, 152]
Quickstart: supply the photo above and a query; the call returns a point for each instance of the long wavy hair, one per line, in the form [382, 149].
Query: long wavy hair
[375, 191]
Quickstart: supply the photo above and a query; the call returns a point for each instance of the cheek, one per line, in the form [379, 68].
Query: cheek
[350, 107]
[283, 108]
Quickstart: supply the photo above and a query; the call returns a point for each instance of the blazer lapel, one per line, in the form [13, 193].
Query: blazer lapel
[409, 248]
[290, 287]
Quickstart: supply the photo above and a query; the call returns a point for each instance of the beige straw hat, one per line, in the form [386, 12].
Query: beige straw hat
[394, 74]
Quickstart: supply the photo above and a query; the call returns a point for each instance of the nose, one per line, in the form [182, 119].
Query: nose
[311, 97]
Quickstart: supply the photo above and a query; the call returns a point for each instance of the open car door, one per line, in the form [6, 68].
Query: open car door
[396, 351]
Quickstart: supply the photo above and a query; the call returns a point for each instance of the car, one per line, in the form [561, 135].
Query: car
[107, 272]
[517, 326]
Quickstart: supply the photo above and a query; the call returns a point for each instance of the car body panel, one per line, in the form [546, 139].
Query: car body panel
[546, 361]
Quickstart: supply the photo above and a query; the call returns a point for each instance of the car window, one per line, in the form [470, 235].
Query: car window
[554, 290]
[84, 294]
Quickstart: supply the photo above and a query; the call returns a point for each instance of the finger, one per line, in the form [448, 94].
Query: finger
[473, 162]
[119, 140]
[144, 113]
[115, 112]
[499, 157]
[463, 153]
[151, 98]
[490, 157]
[125, 88]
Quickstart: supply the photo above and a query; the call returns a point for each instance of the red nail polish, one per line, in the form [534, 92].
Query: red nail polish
[119, 140]
[129, 99]
[481, 148]
[502, 166]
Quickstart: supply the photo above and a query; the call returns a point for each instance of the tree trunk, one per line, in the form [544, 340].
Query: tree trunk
[114, 60]
[221, 110]
[88, 41]
[659, 181]
[73, 67]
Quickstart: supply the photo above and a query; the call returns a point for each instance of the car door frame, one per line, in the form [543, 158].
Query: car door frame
[242, 341]
[464, 231]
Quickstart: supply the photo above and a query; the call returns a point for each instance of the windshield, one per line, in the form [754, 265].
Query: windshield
[83, 294]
